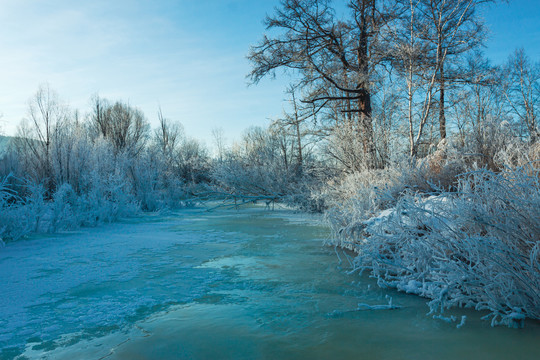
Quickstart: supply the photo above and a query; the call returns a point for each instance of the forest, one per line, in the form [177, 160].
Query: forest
[423, 156]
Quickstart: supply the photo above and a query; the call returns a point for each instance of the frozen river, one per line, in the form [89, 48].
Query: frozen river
[248, 284]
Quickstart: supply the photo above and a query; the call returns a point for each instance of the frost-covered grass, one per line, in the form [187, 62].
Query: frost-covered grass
[66, 210]
[95, 186]
[476, 247]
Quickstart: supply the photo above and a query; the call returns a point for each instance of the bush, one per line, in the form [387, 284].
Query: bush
[477, 247]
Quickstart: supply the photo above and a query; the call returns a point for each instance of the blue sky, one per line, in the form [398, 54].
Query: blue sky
[512, 25]
[186, 55]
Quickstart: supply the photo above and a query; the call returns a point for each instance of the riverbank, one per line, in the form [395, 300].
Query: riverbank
[474, 247]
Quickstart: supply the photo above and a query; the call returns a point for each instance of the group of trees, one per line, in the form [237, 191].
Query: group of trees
[53, 143]
[374, 81]
[64, 169]
[391, 99]
[385, 77]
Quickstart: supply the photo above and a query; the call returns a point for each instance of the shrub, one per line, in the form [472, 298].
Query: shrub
[477, 247]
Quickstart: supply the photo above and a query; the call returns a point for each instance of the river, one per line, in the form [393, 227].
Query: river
[226, 284]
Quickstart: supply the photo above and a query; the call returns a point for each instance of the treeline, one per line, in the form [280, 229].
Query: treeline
[389, 77]
[380, 86]
[64, 170]
[384, 85]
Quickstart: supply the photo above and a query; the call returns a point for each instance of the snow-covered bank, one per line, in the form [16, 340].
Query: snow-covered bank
[106, 199]
[477, 247]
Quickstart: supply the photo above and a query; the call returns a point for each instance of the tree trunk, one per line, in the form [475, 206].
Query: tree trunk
[366, 128]
[364, 101]
[299, 140]
[442, 117]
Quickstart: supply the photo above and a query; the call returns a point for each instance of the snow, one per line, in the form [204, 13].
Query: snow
[475, 247]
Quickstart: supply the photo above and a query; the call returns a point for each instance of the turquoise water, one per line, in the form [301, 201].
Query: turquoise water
[248, 284]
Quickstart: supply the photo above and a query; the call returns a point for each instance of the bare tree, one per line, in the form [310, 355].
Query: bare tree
[98, 116]
[124, 126]
[521, 86]
[452, 29]
[426, 47]
[219, 142]
[192, 161]
[336, 58]
[37, 133]
[294, 125]
[168, 136]
[408, 52]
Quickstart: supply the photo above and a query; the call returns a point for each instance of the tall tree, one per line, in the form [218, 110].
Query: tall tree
[294, 125]
[219, 142]
[452, 28]
[336, 58]
[39, 131]
[408, 52]
[521, 85]
[124, 126]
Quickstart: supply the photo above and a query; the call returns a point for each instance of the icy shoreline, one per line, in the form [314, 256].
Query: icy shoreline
[475, 248]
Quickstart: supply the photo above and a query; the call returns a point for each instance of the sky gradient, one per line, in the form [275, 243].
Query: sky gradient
[187, 56]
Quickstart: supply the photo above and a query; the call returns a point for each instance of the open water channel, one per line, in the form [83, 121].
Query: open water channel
[247, 284]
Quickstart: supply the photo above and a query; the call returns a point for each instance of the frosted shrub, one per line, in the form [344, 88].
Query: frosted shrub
[12, 224]
[478, 247]
[35, 207]
[154, 185]
[305, 192]
[518, 154]
[20, 216]
[8, 213]
[6, 192]
[64, 208]
[109, 198]
[358, 197]
[361, 195]
[269, 182]
[437, 171]
[237, 178]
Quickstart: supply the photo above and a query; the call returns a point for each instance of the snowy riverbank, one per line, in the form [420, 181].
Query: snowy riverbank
[477, 247]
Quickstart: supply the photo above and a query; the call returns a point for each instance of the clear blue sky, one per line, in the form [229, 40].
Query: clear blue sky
[186, 55]
[512, 25]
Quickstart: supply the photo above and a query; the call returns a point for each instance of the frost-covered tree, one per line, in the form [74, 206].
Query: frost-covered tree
[257, 166]
[125, 126]
[69, 171]
[451, 29]
[38, 133]
[167, 138]
[218, 138]
[521, 86]
[296, 131]
[336, 58]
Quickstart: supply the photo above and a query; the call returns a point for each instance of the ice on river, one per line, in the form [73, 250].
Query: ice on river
[99, 279]
[226, 284]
